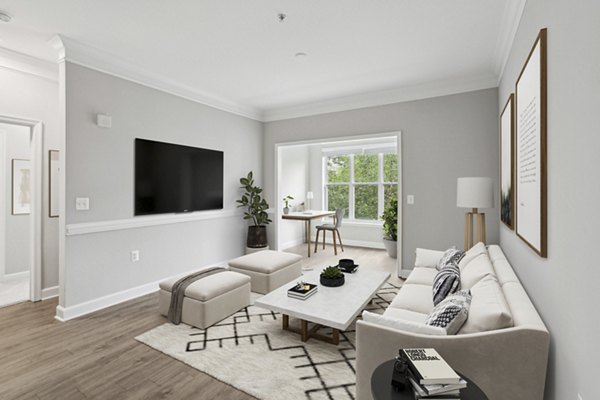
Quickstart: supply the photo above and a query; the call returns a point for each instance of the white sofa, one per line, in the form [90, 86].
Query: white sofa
[502, 347]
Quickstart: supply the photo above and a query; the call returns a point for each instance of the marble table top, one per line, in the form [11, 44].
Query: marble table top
[336, 307]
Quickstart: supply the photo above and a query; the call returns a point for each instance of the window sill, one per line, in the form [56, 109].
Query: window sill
[357, 222]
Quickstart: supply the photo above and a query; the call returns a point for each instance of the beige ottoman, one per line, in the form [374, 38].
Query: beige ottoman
[268, 269]
[209, 299]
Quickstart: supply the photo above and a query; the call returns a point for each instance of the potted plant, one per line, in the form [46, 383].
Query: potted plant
[390, 228]
[256, 210]
[286, 200]
[332, 277]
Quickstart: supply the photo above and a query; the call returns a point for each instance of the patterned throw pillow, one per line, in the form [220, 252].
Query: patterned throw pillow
[452, 255]
[446, 281]
[452, 312]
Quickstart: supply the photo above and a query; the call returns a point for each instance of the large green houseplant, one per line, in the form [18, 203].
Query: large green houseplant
[390, 227]
[256, 211]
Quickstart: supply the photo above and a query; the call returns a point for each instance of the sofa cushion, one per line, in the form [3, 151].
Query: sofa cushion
[451, 313]
[422, 275]
[489, 309]
[447, 281]
[414, 297]
[407, 315]
[452, 255]
[403, 325]
[470, 254]
[479, 268]
[427, 258]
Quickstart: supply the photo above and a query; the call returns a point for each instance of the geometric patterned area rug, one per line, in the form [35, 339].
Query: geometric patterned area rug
[251, 352]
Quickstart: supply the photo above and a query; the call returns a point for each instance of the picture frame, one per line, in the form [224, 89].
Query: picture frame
[53, 179]
[507, 162]
[21, 187]
[531, 157]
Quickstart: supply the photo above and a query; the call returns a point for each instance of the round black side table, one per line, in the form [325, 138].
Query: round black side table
[382, 389]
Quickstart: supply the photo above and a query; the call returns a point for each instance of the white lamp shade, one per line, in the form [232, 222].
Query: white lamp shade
[475, 193]
[310, 195]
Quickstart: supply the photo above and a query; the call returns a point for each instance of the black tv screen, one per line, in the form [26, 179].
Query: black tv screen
[171, 178]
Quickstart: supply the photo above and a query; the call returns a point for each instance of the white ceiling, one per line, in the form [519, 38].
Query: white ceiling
[237, 53]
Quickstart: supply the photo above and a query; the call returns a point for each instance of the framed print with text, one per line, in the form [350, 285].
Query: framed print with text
[507, 161]
[531, 160]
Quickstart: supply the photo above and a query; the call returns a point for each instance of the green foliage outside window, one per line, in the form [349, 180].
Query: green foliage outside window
[366, 168]
[338, 169]
[365, 202]
[338, 196]
[390, 167]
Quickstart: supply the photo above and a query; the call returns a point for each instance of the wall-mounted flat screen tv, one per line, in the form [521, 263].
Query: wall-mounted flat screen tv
[171, 178]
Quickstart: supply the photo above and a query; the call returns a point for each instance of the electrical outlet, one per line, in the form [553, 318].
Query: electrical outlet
[82, 203]
[410, 199]
[135, 255]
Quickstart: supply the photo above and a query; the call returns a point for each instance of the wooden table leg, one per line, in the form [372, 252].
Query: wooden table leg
[285, 322]
[304, 330]
[307, 227]
[335, 337]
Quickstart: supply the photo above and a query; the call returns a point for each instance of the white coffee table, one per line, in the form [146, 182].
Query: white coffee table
[335, 307]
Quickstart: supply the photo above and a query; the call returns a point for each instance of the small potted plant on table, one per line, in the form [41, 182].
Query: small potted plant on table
[286, 200]
[332, 277]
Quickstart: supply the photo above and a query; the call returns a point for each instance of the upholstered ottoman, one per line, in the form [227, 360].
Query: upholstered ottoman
[209, 299]
[268, 269]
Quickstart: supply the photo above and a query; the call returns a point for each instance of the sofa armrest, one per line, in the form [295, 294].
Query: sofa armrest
[505, 363]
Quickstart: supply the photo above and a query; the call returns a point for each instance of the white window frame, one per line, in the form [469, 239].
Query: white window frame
[352, 184]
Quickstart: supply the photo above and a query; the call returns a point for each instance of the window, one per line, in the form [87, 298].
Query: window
[362, 184]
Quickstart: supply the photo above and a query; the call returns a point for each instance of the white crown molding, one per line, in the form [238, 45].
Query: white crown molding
[513, 12]
[66, 313]
[99, 60]
[146, 221]
[27, 64]
[373, 99]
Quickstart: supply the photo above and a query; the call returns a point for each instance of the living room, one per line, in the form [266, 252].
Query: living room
[446, 114]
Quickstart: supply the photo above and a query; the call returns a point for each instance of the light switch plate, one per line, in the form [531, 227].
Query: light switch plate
[82, 203]
[410, 199]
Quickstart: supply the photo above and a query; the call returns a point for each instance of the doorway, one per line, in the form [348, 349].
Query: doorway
[20, 210]
[302, 170]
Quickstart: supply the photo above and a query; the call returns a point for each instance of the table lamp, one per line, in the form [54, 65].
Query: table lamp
[309, 197]
[474, 193]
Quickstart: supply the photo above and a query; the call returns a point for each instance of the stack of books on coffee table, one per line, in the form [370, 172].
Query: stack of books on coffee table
[302, 290]
[431, 377]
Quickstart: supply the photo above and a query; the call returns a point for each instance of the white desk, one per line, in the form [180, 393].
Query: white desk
[307, 216]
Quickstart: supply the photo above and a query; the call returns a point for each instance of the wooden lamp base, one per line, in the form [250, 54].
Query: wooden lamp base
[469, 233]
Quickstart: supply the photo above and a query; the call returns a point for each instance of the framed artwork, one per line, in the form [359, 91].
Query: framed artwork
[21, 187]
[531, 160]
[53, 170]
[507, 161]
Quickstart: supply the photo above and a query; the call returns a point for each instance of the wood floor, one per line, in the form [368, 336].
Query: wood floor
[97, 357]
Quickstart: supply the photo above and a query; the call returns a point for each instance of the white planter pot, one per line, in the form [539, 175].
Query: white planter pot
[391, 246]
[286, 210]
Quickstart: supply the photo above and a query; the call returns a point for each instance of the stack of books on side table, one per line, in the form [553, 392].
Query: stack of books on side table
[430, 376]
[302, 290]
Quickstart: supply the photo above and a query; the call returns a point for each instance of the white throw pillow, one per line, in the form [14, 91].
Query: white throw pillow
[489, 310]
[402, 325]
[427, 258]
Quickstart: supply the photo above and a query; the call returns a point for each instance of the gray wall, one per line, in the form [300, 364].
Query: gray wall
[17, 226]
[35, 98]
[100, 165]
[443, 138]
[564, 287]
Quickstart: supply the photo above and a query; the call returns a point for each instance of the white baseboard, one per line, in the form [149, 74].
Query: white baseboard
[50, 292]
[15, 276]
[356, 243]
[66, 313]
[291, 243]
